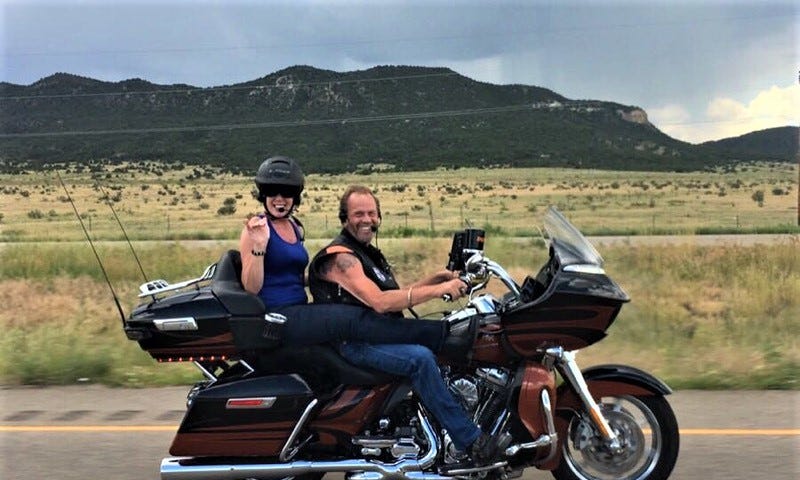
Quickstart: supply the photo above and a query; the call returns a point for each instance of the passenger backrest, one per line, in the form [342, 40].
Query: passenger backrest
[227, 286]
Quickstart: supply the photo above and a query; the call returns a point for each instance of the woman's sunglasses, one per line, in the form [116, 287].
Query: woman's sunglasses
[285, 191]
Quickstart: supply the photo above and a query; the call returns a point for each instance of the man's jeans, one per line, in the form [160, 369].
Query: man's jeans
[419, 365]
[312, 324]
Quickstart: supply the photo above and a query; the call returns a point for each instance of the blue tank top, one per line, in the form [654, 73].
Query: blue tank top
[284, 265]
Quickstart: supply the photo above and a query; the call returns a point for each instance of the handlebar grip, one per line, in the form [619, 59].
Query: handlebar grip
[464, 278]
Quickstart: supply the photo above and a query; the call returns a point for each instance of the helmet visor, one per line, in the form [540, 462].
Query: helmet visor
[286, 191]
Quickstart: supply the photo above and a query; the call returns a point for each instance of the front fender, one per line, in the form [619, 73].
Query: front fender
[602, 380]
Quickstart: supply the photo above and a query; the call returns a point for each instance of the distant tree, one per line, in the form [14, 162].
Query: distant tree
[758, 197]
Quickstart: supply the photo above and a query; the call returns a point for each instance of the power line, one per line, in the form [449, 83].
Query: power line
[346, 120]
[279, 124]
[224, 88]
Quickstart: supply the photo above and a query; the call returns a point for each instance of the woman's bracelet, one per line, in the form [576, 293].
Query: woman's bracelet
[408, 297]
[258, 253]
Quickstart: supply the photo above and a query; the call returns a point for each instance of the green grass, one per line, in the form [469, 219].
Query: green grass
[700, 317]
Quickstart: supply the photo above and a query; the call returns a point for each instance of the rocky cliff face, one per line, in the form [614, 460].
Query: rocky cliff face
[637, 115]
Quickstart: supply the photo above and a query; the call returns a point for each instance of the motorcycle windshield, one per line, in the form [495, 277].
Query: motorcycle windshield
[569, 243]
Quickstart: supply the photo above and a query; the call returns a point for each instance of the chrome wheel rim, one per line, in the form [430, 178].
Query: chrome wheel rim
[639, 434]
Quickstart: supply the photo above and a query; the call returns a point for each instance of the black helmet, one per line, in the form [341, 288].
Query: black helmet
[279, 171]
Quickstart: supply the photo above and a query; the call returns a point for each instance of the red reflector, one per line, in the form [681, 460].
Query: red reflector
[260, 402]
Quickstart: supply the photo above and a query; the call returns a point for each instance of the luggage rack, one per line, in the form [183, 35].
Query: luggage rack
[155, 287]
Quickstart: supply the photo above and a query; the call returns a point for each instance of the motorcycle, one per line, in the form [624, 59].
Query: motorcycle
[269, 411]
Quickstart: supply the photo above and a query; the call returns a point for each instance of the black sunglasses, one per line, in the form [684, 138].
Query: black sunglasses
[286, 191]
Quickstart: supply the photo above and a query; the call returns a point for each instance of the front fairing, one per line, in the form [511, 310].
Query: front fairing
[570, 303]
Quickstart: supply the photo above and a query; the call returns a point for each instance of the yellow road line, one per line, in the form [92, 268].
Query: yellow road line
[173, 428]
[88, 428]
[740, 431]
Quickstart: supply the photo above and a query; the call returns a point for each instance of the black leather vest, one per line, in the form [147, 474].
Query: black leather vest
[375, 265]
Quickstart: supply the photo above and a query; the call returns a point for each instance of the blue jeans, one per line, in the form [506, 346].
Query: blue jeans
[419, 365]
[311, 324]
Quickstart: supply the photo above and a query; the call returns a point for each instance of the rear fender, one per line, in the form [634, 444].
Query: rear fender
[602, 380]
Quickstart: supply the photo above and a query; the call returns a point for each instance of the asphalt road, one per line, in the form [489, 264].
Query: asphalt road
[91, 432]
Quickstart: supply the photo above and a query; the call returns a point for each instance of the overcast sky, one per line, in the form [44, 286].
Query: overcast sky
[702, 70]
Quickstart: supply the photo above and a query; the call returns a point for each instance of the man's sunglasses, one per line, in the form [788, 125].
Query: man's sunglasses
[285, 191]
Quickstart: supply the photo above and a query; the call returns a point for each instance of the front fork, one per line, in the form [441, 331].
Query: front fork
[564, 362]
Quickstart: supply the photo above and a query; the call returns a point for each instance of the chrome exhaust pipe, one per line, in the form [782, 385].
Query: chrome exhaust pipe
[182, 468]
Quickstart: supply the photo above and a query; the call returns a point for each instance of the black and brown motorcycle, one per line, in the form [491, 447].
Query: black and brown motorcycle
[269, 411]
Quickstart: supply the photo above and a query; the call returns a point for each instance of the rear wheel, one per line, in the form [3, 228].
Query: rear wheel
[648, 434]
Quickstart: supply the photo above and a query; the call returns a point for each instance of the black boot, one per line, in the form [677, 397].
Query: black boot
[484, 450]
[459, 339]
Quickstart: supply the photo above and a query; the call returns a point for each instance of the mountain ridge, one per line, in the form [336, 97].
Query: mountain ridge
[413, 118]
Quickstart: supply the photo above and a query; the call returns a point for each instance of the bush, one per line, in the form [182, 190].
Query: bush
[228, 207]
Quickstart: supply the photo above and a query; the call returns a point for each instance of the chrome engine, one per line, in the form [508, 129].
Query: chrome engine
[483, 395]
[398, 436]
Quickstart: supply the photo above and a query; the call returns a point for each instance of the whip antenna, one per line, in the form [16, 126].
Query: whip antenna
[124, 233]
[91, 244]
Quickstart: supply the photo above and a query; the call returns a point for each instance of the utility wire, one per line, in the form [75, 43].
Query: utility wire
[191, 90]
[286, 123]
[344, 121]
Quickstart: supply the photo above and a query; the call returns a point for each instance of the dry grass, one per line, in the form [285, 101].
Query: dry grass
[703, 317]
[168, 206]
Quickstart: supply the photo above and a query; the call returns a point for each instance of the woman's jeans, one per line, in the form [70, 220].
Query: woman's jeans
[312, 324]
[419, 365]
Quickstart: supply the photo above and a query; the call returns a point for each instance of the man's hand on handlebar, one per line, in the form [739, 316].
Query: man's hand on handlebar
[455, 288]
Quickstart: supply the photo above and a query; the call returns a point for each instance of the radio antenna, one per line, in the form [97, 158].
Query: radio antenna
[124, 233]
[91, 244]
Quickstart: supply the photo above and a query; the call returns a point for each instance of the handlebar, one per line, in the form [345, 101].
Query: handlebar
[448, 298]
[477, 271]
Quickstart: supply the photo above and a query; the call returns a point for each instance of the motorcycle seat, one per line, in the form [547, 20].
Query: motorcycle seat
[320, 365]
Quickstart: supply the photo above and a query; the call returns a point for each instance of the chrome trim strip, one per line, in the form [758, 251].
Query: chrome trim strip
[287, 452]
[411, 469]
[247, 365]
[585, 268]
[206, 372]
[175, 324]
[467, 471]
[155, 287]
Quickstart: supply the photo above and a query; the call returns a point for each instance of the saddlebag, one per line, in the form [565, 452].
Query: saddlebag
[243, 418]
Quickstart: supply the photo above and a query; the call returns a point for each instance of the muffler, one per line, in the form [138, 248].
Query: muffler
[184, 468]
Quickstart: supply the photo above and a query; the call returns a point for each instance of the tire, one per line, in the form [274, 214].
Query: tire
[647, 429]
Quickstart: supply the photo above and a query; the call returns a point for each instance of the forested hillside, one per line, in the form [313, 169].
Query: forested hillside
[404, 118]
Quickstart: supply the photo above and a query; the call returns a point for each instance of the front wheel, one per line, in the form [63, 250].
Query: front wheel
[648, 434]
